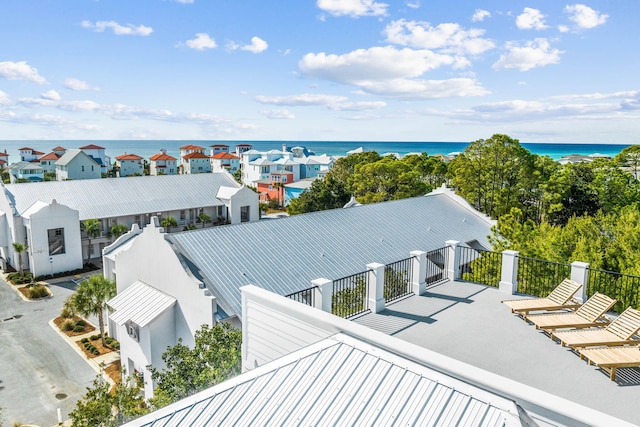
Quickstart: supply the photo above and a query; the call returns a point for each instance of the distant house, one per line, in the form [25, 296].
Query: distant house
[193, 160]
[97, 153]
[29, 154]
[48, 161]
[225, 161]
[129, 164]
[59, 150]
[163, 164]
[4, 160]
[241, 148]
[273, 188]
[294, 189]
[314, 166]
[218, 148]
[76, 164]
[30, 171]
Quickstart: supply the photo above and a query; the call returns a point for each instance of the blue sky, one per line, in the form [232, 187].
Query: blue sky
[415, 70]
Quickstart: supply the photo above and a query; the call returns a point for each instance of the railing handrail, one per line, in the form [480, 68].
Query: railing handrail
[617, 273]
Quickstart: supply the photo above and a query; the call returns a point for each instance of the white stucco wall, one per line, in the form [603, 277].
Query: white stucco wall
[243, 197]
[37, 223]
[74, 169]
[151, 260]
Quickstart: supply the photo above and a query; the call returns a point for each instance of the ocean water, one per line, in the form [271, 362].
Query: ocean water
[147, 148]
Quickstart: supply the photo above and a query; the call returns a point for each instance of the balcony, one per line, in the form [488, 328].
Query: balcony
[465, 320]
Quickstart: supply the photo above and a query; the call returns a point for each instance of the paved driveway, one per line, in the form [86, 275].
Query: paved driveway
[39, 371]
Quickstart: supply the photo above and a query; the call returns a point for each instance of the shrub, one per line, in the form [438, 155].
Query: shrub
[95, 352]
[116, 345]
[18, 279]
[84, 340]
[37, 291]
[67, 325]
[66, 313]
[78, 328]
[81, 322]
[95, 337]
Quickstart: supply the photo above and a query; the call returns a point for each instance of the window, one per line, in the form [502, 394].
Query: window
[91, 168]
[182, 215]
[219, 210]
[82, 168]
[56, 241]
[244, 213]
[284, 179]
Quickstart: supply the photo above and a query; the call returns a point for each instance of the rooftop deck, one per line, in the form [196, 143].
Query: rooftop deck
[466, 321]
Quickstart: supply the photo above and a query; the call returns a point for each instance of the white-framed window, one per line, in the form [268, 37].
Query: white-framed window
[56, 241]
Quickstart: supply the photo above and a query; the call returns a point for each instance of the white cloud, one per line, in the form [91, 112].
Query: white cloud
[201, 42]
[80, 106]
[257, 45]
[281, 114]
[531, 19]
[413, 5]
[4, 98]
[448, 37]
[76, 84]
[119, 30]
[51, 95]
[480, 15]
[535, 53]
[185, 1]
[584, 17]
[391, 72]
[20, 71]
[359, 106]
[563, 28]
[302, 100]
[353, 8]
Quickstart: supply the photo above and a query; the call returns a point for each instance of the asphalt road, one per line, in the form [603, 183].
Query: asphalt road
[39, 371]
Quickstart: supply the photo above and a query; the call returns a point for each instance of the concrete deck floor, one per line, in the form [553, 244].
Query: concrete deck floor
[466, 321]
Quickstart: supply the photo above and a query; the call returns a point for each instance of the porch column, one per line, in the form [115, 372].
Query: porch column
[509, 275]
[453, 259]
[419, 272]
[580, 274]
[376, 287]
[324, 294]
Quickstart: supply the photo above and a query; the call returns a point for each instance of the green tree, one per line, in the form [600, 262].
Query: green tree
[629, 158]
[20, 249]
[215, 357]
[432, 169]
[117, 230]
[102, 407]
[326, 193]
[387, 179]
[490, 174]
[169, 222]
[91, 227]
[203, 218]
[91, 296]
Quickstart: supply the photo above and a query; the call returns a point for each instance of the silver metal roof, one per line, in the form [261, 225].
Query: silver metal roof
[116, 197]
[339, 381]
[284, 255]
[139, 303]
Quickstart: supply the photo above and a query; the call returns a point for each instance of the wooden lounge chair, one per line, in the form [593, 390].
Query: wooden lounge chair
[558, 299]
[589, 314]
[611, 358]
[619, 332]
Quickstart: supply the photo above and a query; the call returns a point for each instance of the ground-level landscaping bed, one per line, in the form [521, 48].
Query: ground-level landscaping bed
[92, 346]
[73, 326]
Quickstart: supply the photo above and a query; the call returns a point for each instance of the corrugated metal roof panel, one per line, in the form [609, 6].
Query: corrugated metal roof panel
[284, 255]
[116, 197]
[339, 381]
[139, 303]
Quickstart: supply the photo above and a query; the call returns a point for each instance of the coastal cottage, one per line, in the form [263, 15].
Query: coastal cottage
[76, 165]
[26, 171]
[163, 164]
[97, 153]
[24, 209]
[48, 162]
[193, 160]
[196, 276]
[129, 164]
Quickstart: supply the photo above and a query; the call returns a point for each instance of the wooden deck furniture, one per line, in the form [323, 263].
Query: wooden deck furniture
[611, 358]
[589, 314]
[618, 332]
[558, 299]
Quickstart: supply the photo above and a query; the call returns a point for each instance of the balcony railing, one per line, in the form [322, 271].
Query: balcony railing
[480, 266]
[437, 261]
[538, 277]
[623, 287]
[397, 279]
[350, 295]
[305, 296]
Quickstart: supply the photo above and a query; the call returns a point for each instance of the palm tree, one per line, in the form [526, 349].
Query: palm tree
[169, 222]
[203, 218]
[91, 296]
[92, 228]
[20, 249]
[117, 230]
[279, 186]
